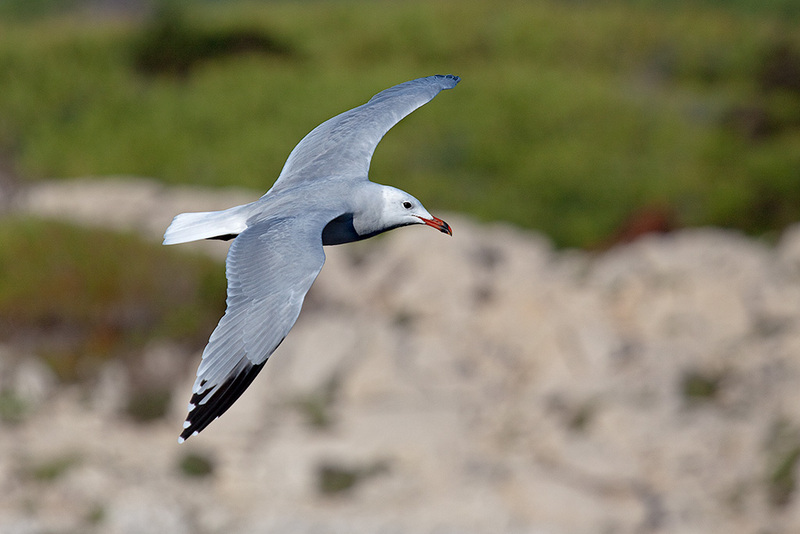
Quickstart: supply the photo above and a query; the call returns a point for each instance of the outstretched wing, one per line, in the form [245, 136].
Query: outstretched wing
[343, 145]
[270, 268]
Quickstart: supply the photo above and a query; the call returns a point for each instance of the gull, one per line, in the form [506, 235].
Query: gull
[323, 196]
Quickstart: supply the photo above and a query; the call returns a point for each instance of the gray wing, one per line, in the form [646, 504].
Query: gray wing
[270, 268]
[343, 145]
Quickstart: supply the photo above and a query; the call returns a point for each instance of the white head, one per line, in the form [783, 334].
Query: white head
[402, 209]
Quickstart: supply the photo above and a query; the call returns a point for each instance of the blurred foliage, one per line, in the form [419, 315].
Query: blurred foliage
[782, 449]
[32, 9]
[96, 515]
[196, 465]
[54, 468]
[698, 387]
[78, 297]
[334, 479]
[169, 45]
[317, 405]
[148, 404]
[571, 116]
[785, 8]
[13, 408]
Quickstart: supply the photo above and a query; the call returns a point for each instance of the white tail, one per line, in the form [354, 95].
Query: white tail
[206, 224]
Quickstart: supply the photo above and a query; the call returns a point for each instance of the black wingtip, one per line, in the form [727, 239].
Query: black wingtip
[208, 405]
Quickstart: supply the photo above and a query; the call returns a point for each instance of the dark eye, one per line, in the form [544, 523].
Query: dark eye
[407, 205]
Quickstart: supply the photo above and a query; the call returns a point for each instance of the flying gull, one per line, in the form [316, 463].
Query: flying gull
[323, 196]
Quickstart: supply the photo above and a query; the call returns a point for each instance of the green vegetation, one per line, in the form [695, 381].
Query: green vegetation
[13, 408]
[570, 117]
[147, 404]
[78, 297]
[782, 450]
[334, 479]
[698, 387]
[53, 468]
[317, 406]
[196, 465]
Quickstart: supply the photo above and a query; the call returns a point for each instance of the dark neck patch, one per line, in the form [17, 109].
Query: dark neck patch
[340, 230]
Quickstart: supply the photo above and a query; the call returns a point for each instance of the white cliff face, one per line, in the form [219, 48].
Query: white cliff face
[484, 383]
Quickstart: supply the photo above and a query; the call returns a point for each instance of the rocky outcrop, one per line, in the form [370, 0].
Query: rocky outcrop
[481, 384]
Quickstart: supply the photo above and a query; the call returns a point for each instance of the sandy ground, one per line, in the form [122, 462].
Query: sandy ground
[480, 384]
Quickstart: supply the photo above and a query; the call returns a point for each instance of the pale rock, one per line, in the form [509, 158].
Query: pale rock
[506, 386]
[33, 381]
[133, 511]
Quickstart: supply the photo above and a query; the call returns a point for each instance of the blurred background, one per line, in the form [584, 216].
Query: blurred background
[587, 154]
